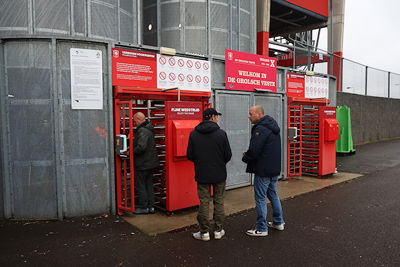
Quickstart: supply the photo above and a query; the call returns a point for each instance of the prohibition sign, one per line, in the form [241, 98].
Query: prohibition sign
[189, 64]
[162, 60]
[181, 77]
[206, 79]
[162, 75]
[172, 76]
[181, 63]
[189, 78]
[197, 65]
[205, 65]
[171, 61]
[198, 78]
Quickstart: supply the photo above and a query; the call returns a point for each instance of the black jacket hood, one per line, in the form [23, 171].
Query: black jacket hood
[270, 123]
[206, 127]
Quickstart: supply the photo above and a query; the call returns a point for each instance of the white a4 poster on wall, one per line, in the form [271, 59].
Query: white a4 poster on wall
[86, 79]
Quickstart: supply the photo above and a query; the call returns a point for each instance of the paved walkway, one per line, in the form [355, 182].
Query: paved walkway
[354, 223]
[236, 200]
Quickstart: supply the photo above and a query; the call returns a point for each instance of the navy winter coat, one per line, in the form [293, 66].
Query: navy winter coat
[210, 151]
[264, 154]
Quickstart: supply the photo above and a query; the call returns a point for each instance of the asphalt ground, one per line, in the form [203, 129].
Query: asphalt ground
[355, 223]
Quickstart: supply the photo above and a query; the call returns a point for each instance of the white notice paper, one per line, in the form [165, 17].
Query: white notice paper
[86, 79]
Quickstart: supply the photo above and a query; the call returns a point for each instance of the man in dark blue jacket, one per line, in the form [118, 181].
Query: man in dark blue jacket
[263, 158]
[210, 151]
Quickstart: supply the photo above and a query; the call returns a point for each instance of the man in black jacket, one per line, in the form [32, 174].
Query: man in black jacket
[145, 160]
[263, 158]
[210, 151]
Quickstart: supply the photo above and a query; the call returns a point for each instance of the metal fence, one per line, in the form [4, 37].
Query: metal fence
[354, 77]
[364, 80]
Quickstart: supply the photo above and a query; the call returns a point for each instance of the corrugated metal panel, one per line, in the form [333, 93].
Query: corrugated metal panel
[219, 27]
[103, 21]
[13, 17]
[84, 148]
[31, 129]
[2, 134]
[79, 18]
[218, 73]
[234, 107]
[51, 17]
[195, 28]
[114, 20]
[171, 25]
[128, 21]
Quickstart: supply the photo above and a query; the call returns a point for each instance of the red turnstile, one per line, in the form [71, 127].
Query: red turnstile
[312, 150]
[174, 184]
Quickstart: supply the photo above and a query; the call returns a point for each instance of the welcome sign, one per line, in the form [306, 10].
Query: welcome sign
[246, 72]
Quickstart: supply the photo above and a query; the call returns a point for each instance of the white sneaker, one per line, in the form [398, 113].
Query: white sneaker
[256, 233]
[202, 236]
[220, 234]
[279, 227]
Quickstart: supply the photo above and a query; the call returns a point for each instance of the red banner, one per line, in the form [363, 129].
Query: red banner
[134, 68]
[295, 84]
[246, 72]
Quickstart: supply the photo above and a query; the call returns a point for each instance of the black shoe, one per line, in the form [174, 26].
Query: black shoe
[152, 210]
[141, 211]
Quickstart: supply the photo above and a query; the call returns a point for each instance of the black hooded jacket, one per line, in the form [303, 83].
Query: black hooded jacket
[144, 148]
[210, 151]
[264, 154]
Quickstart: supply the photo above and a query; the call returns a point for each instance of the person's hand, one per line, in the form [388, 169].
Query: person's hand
[244, 152]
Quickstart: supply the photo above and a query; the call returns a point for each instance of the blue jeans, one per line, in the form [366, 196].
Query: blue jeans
[266, 187]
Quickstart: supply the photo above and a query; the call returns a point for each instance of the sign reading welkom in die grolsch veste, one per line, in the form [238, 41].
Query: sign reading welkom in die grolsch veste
[246, 72]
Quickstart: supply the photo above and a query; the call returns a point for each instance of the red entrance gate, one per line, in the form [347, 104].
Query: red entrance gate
[312, 134]
[173, 181]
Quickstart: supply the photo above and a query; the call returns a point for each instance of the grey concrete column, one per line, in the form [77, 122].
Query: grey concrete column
[263, 21]
[263, 15]
[336, 28]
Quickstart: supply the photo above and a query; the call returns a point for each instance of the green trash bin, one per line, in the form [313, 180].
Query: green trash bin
[345, 142]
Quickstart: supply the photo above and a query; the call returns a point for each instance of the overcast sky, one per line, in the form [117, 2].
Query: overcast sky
[372, 33]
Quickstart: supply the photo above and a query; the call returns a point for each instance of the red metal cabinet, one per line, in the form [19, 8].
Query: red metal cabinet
[181, 131]
[329, 133]
[331, 130]
[180, 119]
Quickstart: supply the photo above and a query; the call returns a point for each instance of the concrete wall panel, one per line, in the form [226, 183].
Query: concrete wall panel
[372, 118]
